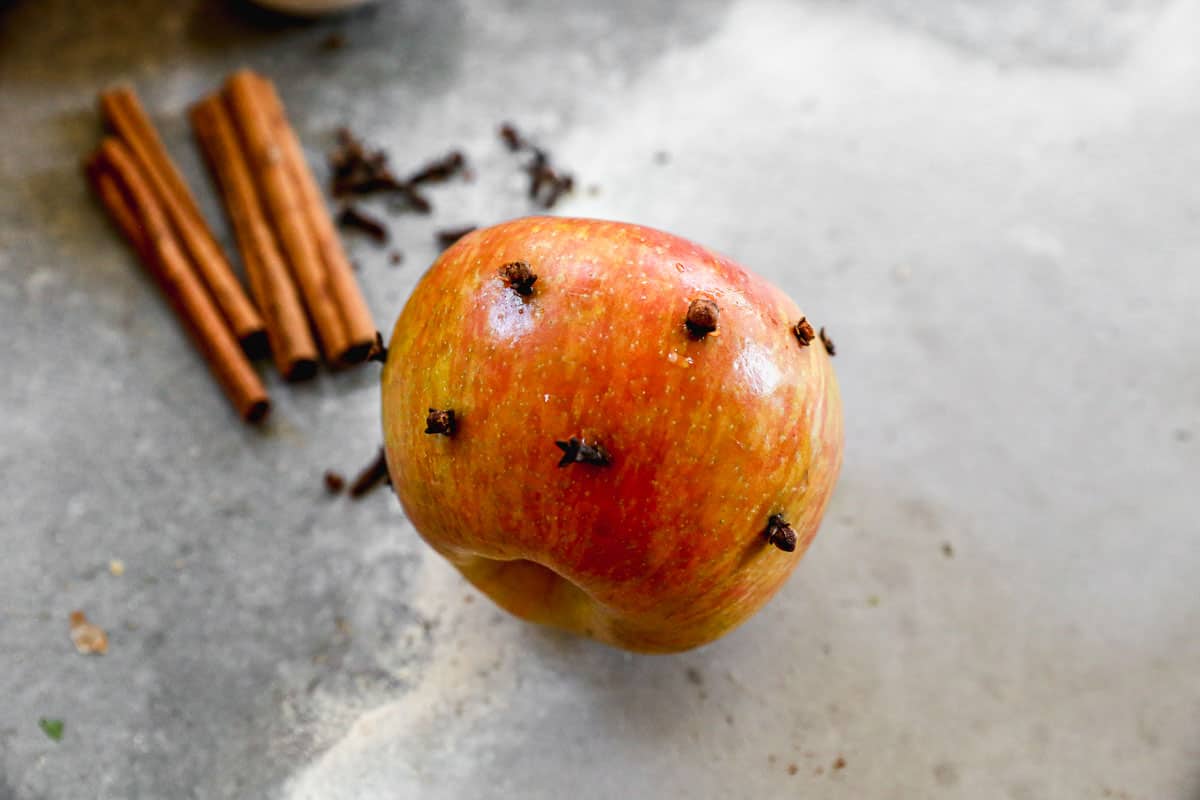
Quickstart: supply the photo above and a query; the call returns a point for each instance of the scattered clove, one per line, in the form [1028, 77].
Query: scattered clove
[825, 340]
[804, 332]
[351, 216]
[440, 422]
[702, 317]
[519, 276]
[509, 135]
[780, 534]
[357, 170]
[577, 451]
[546, 184]
[440, 170]
[371, 476]
[379, 351]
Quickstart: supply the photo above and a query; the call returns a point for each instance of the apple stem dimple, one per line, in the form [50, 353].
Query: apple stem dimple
[577, 451]
[440, 422]
[519, 276]
[804, 332]
[702, 317]
[780, 534]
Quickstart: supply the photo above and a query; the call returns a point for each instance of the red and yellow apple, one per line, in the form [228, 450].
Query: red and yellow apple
[610, 429]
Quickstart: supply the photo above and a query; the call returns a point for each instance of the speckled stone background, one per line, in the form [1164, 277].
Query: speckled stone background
[994, 207]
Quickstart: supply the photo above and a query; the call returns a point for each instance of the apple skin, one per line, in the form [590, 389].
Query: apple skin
[665, 548]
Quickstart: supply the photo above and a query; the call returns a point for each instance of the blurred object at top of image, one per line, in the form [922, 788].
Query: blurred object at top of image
[311, 8]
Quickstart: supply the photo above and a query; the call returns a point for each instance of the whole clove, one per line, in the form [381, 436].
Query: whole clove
[358, 170]
[825, 340]
[701, 317]
[578, 451]
[804, 332]
[780, 534]
[519, 276]
[546, 183]
[371, 476]
[439, 170]
[379, 350]
[440, 422]
[351, 216]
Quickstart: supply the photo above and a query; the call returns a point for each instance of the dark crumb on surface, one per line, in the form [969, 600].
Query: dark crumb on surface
[1183, 435]
[520, 276]
[334, 41]
[947, 550]
[839, 763]
[372, 475]
[662, 157]
[694, 675]
[770, 758]
[825, 340]
[395, 258]
[702, 317]
[334, 482]
[510, 137]
[780, 534]
[448, 236]
[352, 216]
[440, 422]
[793, 768]
[547, 184]
[803, 330]
[577, 451]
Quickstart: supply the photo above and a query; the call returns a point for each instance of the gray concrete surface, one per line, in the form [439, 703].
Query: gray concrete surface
[993, 206]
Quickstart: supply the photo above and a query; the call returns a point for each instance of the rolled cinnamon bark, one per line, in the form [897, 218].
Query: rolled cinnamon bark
[126, 193]
[292, 345]
[129, 121]
[356, 316]
[285, 205]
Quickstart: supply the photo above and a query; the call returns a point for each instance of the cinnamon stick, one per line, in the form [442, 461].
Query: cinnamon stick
[282, 200]
[292, 344]
[356, 316]
[129, 121]
[125, 190]
[118, 208]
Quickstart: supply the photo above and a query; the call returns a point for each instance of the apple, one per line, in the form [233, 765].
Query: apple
[609, 429]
